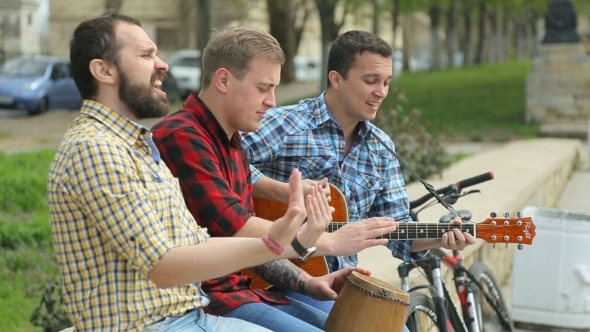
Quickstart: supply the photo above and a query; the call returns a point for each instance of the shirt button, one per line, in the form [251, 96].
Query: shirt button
[132, 238]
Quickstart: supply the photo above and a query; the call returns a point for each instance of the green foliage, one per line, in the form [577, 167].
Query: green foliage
[423, 151]
[481, 103]
[25, 229]
[26, 254]
[23, 275]
[51, 314]
[24, 218]
[24, 180]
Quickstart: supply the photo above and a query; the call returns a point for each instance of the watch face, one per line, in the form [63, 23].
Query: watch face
[308, 254]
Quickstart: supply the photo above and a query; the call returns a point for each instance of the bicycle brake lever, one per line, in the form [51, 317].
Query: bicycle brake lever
[474, 191]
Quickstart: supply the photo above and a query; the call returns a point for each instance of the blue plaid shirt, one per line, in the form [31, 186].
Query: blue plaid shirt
[307, 137]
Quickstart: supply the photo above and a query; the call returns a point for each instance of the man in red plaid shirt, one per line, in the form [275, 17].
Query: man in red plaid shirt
[202, 147]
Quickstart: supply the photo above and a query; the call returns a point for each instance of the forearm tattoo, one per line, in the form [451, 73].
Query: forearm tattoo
[282, 274]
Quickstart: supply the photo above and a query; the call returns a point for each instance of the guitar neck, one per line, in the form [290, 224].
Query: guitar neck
[415, 230]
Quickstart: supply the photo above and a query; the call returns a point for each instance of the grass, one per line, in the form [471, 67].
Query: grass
[479, 103]
[26, 254]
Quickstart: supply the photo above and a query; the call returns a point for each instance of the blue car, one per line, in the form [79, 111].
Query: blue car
[38, 84]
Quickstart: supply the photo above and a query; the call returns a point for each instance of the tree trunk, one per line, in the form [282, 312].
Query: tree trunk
[494, 44]
[281, 28]
[534, 40]
[468, 20]
[451, 33]
[204, 23]
[185, 26]
[375, 17]
[298, 21]
[479, 53]
[406, 28]
[505, 39]
[435, 50]
[520, 36]
[395, 12]
[114, 5]
[330, 28]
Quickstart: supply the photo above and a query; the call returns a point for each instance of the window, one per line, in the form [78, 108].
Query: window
[167, 38]
[58, 71]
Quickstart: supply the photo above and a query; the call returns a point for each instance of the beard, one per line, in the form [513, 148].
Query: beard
[141, 99]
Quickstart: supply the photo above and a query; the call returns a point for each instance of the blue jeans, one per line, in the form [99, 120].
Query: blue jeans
[198, 321]
[324, 306]
[294, 317]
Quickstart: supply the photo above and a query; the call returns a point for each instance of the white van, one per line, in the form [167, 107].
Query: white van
[185, 66]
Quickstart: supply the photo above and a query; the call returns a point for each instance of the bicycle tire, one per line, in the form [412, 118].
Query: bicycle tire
[421, 315]
[487, 315]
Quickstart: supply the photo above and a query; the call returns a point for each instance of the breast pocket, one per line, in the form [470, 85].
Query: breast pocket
[366, 188]
[317, 168]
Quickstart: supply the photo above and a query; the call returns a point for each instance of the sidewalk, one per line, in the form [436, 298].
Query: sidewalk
[293, 92]
[575, 198]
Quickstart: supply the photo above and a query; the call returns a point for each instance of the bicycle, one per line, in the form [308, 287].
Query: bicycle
[482, 304]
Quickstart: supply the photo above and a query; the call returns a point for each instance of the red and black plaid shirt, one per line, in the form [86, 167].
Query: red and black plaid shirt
[214, 174]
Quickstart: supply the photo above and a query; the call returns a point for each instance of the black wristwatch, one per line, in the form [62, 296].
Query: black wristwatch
[304, 253]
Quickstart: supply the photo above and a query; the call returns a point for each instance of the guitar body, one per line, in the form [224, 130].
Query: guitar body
[494, 230]
[272, 210]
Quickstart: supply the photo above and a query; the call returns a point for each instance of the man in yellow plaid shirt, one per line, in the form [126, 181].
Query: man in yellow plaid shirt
[131, 254]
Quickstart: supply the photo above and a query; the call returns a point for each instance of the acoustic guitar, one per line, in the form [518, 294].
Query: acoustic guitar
[491, 230]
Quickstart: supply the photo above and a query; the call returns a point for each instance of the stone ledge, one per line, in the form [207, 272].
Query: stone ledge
[532, 172]
[565, 130]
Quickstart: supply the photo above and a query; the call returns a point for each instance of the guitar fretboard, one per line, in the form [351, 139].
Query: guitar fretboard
[416, 230]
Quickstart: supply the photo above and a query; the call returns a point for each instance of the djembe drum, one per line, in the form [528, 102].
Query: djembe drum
[368, 304]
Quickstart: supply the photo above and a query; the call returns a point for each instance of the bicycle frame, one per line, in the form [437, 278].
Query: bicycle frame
[439, 292]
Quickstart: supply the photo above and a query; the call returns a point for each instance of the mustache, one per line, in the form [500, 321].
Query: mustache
[158, 74]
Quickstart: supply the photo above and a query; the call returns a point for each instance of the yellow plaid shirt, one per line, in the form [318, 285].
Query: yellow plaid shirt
[115, 212]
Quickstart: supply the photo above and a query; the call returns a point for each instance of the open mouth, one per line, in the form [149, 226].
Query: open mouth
[373, 104]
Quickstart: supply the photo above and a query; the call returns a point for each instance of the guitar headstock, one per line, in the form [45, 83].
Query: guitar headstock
[519, 230]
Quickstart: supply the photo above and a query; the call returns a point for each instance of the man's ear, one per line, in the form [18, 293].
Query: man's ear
[221, 79]
[103, 72]
[335, 79]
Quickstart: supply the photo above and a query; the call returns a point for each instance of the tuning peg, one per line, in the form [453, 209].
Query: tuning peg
[519, 214]
[520, 246]
[493, 214]
[506, 214]
[493, 246]
[506, 246]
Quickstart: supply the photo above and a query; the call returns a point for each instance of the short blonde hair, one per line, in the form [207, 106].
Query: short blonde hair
[234, 48]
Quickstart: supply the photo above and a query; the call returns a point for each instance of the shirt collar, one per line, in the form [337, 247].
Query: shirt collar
[324, 116]
[124, 128]
[203, 115]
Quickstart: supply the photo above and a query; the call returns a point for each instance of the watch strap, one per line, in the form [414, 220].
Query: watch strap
[298, 247]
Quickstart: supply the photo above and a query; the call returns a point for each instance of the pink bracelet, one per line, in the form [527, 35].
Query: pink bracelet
[273, 245]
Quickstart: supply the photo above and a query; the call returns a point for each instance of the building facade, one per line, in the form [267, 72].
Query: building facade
[18, 29]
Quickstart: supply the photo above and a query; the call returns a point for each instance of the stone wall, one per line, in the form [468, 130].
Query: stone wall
[558, 89]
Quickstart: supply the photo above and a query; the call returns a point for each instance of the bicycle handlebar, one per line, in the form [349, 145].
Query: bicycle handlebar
[455, 186]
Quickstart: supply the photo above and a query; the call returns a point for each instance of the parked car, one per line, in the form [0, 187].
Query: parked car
[170, 86]
[38, 84]
[306, 69]
[185, 66]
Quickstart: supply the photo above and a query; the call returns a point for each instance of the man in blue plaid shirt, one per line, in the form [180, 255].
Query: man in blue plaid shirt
[330, 136]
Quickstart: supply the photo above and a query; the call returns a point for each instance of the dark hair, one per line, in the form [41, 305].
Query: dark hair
[348, 45]
[94, 39]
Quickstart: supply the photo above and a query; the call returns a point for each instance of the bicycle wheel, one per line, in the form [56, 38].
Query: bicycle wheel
[487, 311]
[421, 314]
